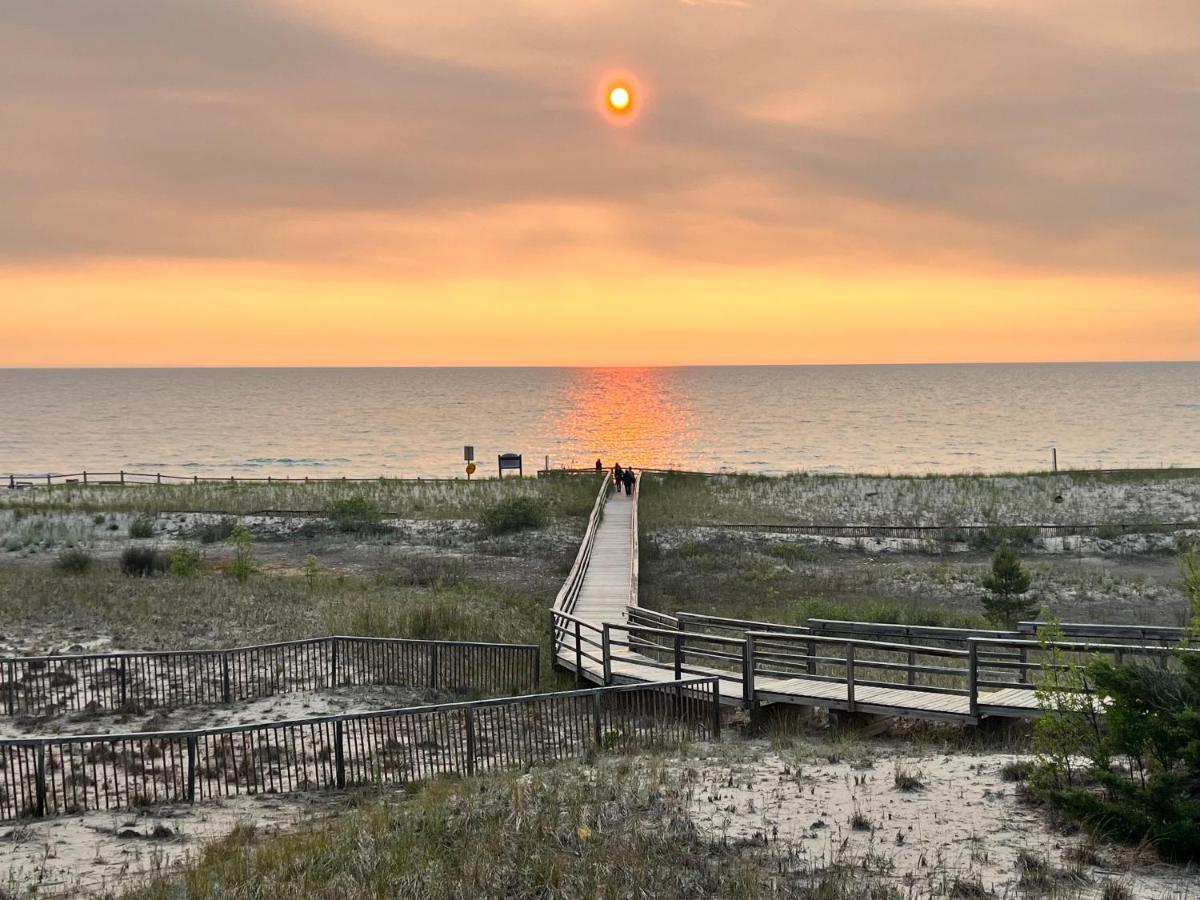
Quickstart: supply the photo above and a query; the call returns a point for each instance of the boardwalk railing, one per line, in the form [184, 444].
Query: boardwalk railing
[1146, 635]
[107, 682]
[569, 593]
[678, 652]
[54, 776]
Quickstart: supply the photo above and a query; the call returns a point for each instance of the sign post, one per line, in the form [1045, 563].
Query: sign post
[469, 459]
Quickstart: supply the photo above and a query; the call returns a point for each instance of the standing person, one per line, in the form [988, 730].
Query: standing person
[599, 465]
[617, 476]
[629, 480]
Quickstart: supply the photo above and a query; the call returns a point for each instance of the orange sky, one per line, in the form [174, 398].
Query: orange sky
[286, 183]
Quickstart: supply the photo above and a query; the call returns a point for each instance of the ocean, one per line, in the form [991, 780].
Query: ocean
[910, 419]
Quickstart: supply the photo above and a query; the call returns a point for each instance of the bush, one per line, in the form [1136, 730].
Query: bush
[1135, 772]
[143, 562]
[354, 514]
[512, 514]
[141, 528]
[216, 532]
[185, 561]
[74, 562]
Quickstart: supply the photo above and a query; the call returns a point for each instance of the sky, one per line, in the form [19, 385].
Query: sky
[298, 182]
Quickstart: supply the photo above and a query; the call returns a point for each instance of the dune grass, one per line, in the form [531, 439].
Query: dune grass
[555, 497]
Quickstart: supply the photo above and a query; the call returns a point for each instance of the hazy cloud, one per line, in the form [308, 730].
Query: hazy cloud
[433, 136]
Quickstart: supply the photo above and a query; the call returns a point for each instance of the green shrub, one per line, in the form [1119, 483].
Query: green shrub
[354, 514]
[243, 564]
[141, 528]
[185, 561]
[74, 561]
[143, 562]
[512, 514]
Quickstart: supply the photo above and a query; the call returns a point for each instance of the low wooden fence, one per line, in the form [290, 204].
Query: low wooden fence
[55, 776]
[108, 682]
[949, 534]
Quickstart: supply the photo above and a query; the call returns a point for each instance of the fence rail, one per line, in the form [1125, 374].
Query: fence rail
[109, 682]
[962, 533]
[54, 776]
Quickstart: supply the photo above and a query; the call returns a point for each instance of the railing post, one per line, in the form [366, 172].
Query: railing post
[333, 664]
[537, 667]
[40, 772]
[433, 665]
[122, 477]
[1024, 662]
[12, 482]
[973, 676]
[470, 740]
[339, 754]
[578, 657]
[811, 649]
[85, 477]
[191, 750]
[849, 678]
[748, 672]
[124, 683]
[10, 693]
[912, 657]
[225, 694]
[160, 477]
[716, 709]
[596, 717]
[678, 639]
[606, 653]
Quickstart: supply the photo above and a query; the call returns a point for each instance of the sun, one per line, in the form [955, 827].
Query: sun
[620, 98]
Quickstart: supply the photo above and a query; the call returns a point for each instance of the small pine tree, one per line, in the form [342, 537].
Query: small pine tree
[1006, 602]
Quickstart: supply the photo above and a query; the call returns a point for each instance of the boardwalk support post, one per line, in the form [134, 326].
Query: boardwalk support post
[606, 651]
[850, 678]
[191, 770]
[973, 677]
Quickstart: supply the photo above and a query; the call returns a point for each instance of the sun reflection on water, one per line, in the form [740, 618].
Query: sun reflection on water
[629, 415]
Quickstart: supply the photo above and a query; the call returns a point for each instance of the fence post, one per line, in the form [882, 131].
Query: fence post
[606, 653]
[333, 664]
[339, 754]
[811, 648]
[40, 771]
[10, 701]
[191, 788]
[596, 717]
[1024, 661]
[160, 477]
[973, 676]
[747, 672]
[124, 682]
[122, 477]
[470, 740]
[537, 667]
[48, 482]
[716, 709]
[85, 477]
[849, 678]
[678, 639]
[433, 665]
[225, 677]
[12, 482]
[578, 657]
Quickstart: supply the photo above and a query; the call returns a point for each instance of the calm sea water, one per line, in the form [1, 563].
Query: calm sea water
[408, 422]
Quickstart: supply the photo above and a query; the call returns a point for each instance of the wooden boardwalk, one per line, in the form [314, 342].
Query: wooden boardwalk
[984, 676]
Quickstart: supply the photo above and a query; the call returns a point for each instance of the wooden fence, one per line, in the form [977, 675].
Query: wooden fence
[129, 479]
[61, 775]
[949, 534]
[108, 682]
